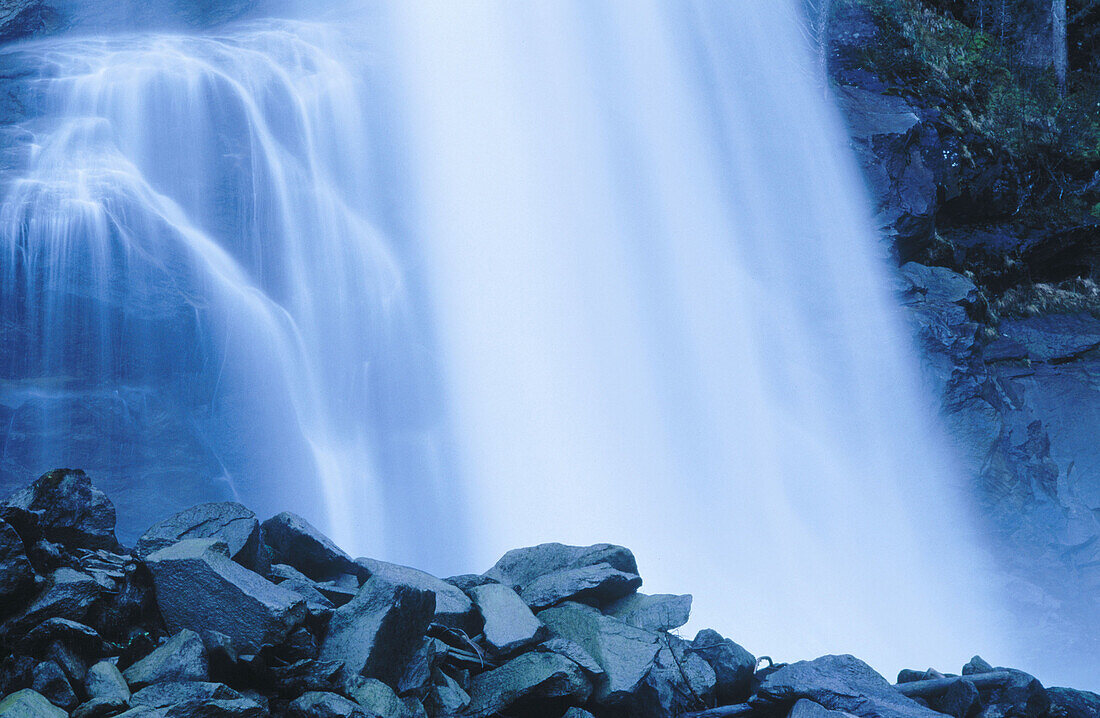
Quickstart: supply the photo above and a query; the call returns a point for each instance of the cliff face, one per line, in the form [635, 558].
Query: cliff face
[986, 176]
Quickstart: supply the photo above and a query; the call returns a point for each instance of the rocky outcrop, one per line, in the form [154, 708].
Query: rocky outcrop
[188, 632]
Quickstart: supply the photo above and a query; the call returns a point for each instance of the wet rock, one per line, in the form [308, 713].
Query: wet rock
[70, 510]
[625, 653]
[227, 521]
[180, 658]
[551, 573]
[317, 704]
[509, 624]
[662, 612]
[961, 700]
[50, 682]
[66, 594]
[733, 665]
[294, 541]
[842, 683]
[528, 676]
[16, 572]
[378, 631]
[1073, 704]
[29, 704]
[198, 587]
[452, 607]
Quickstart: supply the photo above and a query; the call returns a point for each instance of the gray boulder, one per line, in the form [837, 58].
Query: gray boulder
[229, 708]
[452, 607]
[318, 704]
[679, 681]
[572, 651]
[29, 704]
[66, 594]
[70, 510]
[16, 573]
[1074, 704]
[375, 698]
[445, 696]
[50, 681]
[509, 624]
[961, 700]
[180, 658]
[173, 692]
[99, 708]
[808, 709]
[295, 542]
[526, 677]
[198, 587]
[228, 521]
[71, 645]
[841, 683]
[733, 665]
[104, 680]
[625, 653]
[661, 612]
[550, 573]
[377, 632]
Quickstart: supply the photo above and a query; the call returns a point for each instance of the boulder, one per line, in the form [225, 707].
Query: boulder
[733, 665]
[526, 677]
[661, 612]
[29, 704]
[317, 604]
[960, 700]
[227, 521]
[445, 696]
[66, 594]
[375, 698]
[228, 708]
[104, 680]
[16, 572]
[452, 607]
[50, 681]
[841, 683]
[551, 573]
[679, 681]
[977, 664]
[808, 709]
[377, 632]
[70, 510]
[198, 587]
[509, 624]
[625, 653]
[72, 645]
[466, 581]
[173, 692]
[1074, 704]
[318, 704]
[1021, 697]
[180, 658]
[572, 651]
[100, 708]
[294, 541]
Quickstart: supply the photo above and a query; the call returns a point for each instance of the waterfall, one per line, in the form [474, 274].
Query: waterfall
[449, 278]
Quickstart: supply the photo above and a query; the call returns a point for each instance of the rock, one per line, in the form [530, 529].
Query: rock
[377, 632]
[317, 704]
[50, 682]
[375, 698]
[452, 607]
[172, 692]
[662, 612]
[1021, 697]
[100, 708]
[526, 677]
[66, 594]
[550, 573]
[808, 709]
[509, 624]
[625, 653]
[1074, 704]
[230, 708]
[961, 700]
[199, 588]
[572, 651]
[16, 572]
[575, 712]
[842, 683]
[72, 645]
[104, 680]
[467, 581]
[180, 658]
[733, 665]
[70, 510]
[446, 697]
[316, 602]
[418, 670]
[976, 665]
[228, 521]
[679, 681]
[29, 704]
[414, 708]
[294, 541]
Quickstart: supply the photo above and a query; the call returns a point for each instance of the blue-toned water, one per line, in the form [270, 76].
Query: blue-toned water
[448, 278]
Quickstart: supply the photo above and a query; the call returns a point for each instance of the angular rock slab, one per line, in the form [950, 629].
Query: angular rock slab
[294, 541]
[16, 573]
[1074, 704]
[29, 704]
[227, 521]
[528, 676]
[808, 709]
[377, 632]
[67, 594]
[453, 608]
[678, 682]
[70, 510]
[625, 653]
[733, 665]
[170, 693]
[319, 704]
[841, 683]
[550, 573]
[198, 587]
[182, 658]
[660, 612]
[509, 624]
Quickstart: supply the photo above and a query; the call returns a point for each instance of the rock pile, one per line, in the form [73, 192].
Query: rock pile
[216, 615]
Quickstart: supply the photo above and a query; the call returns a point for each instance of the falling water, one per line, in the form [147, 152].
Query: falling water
[557, 270]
